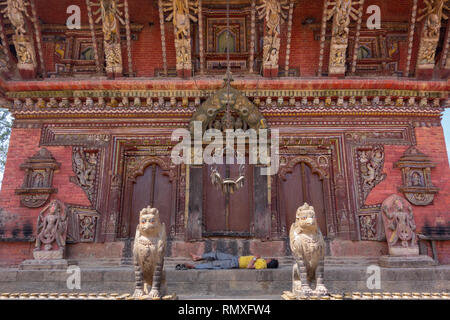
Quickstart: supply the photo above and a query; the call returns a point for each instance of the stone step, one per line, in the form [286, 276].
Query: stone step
[227, 283]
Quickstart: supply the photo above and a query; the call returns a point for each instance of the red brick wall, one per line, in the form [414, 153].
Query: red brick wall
[18, 221]
[431, 142]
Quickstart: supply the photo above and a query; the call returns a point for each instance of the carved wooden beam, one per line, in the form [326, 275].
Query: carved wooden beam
[163, 36]
[322, 36]
[358, 33]
[432, 15]
[289, 36]
[23, 37]
[342, 12]
[38, 34]
[273, 13]
[445, 60]
[200, 37]
[181, 13]
[94, 39]
[5, 44]
[251, 64]
[128, 31]
[412, 28]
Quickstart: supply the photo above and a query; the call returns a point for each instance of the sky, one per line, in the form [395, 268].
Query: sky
[446, 126]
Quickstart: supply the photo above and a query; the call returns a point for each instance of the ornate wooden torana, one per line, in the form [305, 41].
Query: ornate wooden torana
[37, 184]
[416, 173]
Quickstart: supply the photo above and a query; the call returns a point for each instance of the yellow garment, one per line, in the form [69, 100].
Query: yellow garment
[244, 261]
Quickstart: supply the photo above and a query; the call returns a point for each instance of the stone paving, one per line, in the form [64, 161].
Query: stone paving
[285, 296]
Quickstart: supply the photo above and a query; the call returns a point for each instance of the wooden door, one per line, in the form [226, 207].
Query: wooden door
[154, 189]
[300, 186]
[215, 203]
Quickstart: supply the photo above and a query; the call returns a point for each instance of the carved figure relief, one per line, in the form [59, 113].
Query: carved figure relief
[399, 226]
[433, 13]
[148, 253]
[84, 165]
[51, 232]
[82, 224]
[181, 13]
[416, 174]
[342, 11]
[16, 12]
[274, 13]
[110, 14]
[371, 162]
[308, 248]
[38, 180]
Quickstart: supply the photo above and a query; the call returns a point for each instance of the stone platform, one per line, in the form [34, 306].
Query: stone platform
[341, 275]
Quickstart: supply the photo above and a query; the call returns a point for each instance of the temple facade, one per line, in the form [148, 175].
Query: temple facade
[354, 89]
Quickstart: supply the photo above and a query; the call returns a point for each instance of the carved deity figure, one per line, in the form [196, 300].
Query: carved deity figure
[23, 54]
[342, 11]
[51, 227]
[433, 13]
[85, 167]
[401, 223]
[308, 248]
[274, 12]
[148, 253]
[110, 15]
[16, 11]
[180, 14]
[371, 168]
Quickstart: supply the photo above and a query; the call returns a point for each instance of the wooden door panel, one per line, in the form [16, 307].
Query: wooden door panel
[215, 202]
[301, 186]
[292, 195]
[151, 189]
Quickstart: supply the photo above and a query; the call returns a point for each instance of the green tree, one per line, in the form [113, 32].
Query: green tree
[5, 132]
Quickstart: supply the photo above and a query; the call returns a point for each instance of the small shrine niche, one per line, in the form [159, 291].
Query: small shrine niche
[37, 184]
[416, 173]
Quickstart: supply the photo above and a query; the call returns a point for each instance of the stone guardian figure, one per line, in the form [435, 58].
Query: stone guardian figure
[148, 253]
[308, 248]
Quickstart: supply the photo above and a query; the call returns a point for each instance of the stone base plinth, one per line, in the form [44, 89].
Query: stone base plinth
[400, 251]
[57, 264]
[416, 261]
[48, 255]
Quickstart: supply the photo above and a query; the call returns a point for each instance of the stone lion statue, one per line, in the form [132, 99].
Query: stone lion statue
[308, 249]
[148, 253]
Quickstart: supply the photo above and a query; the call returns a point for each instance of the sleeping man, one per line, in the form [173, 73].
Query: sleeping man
[220, 260]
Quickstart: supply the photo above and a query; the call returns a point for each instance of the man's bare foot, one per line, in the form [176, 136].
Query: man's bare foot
[195, 257]
[189, 266]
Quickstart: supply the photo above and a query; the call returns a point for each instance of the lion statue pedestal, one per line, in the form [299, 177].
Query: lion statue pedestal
[308, 249]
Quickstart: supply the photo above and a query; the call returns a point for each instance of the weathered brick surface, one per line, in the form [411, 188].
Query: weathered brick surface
[430, 140]
[18, 222]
